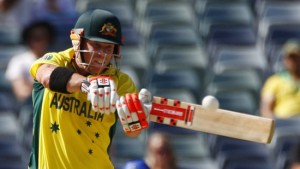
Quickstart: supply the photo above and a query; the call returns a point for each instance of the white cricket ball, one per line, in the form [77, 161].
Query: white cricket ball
[145, 96]
[210, 103]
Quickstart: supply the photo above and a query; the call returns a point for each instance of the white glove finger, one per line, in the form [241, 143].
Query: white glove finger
[145, 96]
[122, 116]
[114, 95]
[113, 99]
[113, 87]
[107, 100]
[94, 95]
[101, 100]
[94, 99]
[125, 110]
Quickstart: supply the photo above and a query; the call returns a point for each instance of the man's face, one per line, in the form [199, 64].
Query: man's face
[99, 56]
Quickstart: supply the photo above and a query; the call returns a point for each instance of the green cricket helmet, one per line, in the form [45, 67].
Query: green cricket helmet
[99, 26]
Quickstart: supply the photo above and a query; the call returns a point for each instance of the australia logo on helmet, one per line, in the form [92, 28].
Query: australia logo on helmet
[109, 29]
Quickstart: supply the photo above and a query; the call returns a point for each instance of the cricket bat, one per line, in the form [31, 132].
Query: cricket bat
[220, 122]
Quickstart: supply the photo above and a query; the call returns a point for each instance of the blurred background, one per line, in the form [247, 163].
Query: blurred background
[180, 49]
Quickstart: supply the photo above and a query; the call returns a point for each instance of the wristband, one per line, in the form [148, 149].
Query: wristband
[59, 79]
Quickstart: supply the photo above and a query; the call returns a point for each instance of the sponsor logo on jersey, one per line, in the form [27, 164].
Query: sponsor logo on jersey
[74, 105]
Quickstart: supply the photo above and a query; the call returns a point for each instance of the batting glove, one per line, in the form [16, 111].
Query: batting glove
[133, 109]
[102, 92]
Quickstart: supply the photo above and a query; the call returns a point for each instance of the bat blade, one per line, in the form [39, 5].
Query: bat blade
[221, 122]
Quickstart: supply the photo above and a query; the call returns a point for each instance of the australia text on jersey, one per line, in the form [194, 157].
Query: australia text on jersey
[72, 104]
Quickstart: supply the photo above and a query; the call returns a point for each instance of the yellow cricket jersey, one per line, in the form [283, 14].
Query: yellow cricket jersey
[68, 134]
[286, 92]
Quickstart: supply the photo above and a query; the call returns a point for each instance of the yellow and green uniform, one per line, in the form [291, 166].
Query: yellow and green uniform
[286, 92]
[68, 134]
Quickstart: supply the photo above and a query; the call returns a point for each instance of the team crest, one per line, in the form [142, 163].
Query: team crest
[109, 29]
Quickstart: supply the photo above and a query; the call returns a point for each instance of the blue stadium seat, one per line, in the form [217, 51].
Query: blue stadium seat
[8, 125]
[228, 35]
[7, 98]
[237, 100]
[7, 51]
[131, 36]
[286, 137]
[219, 13]
[8, 102]
[10, 35]
[277, 35]
[240, 57]
[218, 144]
[236, 35]
[277, 12]
[188, 57]
[158, 13]
[11, 154]
[166, 36]
[249, 165]
[252, 155]
[122, 9]
[179, 79]
[134, 57]
[247, 80]
[175, 94]
[289, 122]
[184, 35]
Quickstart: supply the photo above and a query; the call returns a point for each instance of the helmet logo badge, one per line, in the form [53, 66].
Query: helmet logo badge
[109, 30]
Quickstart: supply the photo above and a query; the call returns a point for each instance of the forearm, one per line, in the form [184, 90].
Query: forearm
[74, 83]
[44, 76]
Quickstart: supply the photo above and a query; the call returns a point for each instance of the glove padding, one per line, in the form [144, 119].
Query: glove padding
[102, 92]
[133, 109]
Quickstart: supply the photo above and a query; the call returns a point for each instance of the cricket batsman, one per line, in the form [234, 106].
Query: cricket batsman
[78, 96]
